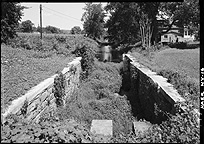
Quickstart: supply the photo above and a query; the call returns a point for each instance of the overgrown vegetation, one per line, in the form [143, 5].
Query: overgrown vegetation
[10, 17]
[25, 61]
[87, 51]
[49, 131]
[180, 67]
[183, 45]
[186, 87]
[96, 98]
[179, 128]
[59, 89]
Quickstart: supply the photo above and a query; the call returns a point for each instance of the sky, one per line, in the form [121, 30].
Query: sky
[61, 15]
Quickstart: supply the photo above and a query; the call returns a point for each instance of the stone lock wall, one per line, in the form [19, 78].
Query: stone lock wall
[150, 93]
[41, 97]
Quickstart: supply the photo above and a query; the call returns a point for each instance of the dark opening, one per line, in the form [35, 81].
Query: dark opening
[143, 107]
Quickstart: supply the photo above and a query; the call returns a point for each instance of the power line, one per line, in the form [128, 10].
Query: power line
[60, 16]
[62, 13]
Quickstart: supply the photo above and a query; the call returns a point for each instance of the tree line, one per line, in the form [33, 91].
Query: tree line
[128, 22]
[28, 27]
[131, 22]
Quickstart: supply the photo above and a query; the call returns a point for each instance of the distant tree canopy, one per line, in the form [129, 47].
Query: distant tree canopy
[133, 21]
[185, 13]
[52, 29]
[26, 26]
[11, 14]
[75, 30]
[49, 29]
[122, 24]
[93, 18]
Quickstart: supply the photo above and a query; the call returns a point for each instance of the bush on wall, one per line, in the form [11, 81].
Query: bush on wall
[59, 89]
[85, 50]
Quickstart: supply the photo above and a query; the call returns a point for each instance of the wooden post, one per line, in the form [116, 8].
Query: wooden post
[41, 21]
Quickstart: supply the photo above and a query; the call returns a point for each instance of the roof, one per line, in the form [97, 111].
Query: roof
[173, 32]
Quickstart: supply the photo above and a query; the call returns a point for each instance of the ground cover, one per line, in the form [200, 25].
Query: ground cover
[97, 98]
[180, 67]
[26, 60]
[22, 69]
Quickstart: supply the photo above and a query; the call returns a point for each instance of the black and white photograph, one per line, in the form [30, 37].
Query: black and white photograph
[101, 72]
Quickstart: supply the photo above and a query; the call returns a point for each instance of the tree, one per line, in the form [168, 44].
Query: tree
[93, 18]
[122, 24]
[52, 29]
[127, 20]
[11, 13]
[132, 21]
[185, 13]
[26, 26]
[147, 20]
[76, 30]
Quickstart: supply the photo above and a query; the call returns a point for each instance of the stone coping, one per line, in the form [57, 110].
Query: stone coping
[172, 94]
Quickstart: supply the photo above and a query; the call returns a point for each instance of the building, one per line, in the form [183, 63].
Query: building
[175, 34]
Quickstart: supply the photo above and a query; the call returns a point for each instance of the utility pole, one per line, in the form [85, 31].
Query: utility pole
[41, 21]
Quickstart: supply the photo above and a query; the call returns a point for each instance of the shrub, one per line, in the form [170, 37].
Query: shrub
[95, 99]
[180, 128]
[59, 89]
[193, 46]
[20, 131]
[85, 51]
[60, 39]
[179, 45]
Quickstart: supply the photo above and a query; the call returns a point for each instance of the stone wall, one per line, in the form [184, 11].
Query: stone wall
[150, 94]
[41, 97]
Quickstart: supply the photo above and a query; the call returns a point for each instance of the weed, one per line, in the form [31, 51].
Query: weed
[59, 89]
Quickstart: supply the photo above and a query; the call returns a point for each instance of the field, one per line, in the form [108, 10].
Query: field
[22, 69]
[186, 61]
[25, 62]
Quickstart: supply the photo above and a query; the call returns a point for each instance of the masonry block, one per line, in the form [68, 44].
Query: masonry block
[141, 127]
[104, 127]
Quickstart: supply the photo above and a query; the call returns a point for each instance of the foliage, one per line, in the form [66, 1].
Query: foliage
[93, 18]
[10, 17]
[26, 26]
[24, 107]
[96, 98]
[61, 44]
[59, 89]
[122, 14]
[52, 29]
[179, 45]
[141, 18]
[186, 87]
[49, 131]
[49, 30]
[86, 50]
[185, 13]
[192, 46]
[180, 128]
[76, 30]
[23, 69]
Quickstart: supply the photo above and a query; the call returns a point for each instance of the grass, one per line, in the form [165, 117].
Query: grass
[22, 69]
[95, 99]
[184, 61]
[26, 60]
[180, 67]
